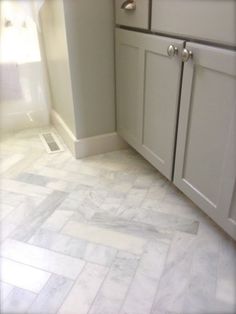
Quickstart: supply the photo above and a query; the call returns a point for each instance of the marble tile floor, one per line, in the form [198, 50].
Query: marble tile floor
[106, 234]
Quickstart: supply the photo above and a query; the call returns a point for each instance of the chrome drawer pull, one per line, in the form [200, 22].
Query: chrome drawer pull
[128, 5]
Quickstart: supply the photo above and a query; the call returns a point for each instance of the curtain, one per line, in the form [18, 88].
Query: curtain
[24, 90]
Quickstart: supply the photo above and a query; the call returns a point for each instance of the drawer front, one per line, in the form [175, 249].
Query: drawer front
[137, 17]
[209, 20]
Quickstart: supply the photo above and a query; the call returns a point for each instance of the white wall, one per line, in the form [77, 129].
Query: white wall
[55, 42]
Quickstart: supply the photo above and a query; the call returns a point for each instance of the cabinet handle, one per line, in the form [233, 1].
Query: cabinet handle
[128, 5]
[186, 55]
[172, 51]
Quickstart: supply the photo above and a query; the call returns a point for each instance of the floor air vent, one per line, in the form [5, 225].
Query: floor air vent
[51, 142]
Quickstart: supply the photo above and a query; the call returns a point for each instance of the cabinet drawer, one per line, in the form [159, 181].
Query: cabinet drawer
[210, 20]
[138, 17]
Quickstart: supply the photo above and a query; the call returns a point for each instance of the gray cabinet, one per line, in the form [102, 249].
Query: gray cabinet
[205, 167]
[209, 20]
[132, 13]
[148, 83]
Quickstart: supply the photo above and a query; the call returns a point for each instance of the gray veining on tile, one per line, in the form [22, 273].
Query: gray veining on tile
[167, 222]
[18, 301]
[57, 220]
[146, 280]
[99, 254]
[176, 275]
[105, 237]
[226, 289]
[32, 178]
[38, 216]
[70, 221]
[52, 296]
[115, 287]
[84, 290]
[59, 243]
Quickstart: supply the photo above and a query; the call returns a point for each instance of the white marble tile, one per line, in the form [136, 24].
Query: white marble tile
[59, 242]
[106, 237]
[113, 291]
[203, 277]
[68, 176]
[38, 215]
[146, 280]
[32, 178]
[5, 209]
[42, 258]
[176, 275]
[24, 188]
[119, 201]
[164, 221]
[134, 197]
[226, 282]
[23, 276]
[11, 198]
[99, 254]
[61, 185]
[51, 296]
[10, 161]
[5, 290]
[18, 301]
[57, 220]
[84, 290]
[6, 229]
[70, 204]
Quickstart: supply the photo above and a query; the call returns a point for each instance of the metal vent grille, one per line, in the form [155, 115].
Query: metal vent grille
[50, 142]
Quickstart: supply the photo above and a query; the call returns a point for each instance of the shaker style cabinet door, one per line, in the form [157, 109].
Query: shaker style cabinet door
[148, 83]
[205, 167]
[129, 86]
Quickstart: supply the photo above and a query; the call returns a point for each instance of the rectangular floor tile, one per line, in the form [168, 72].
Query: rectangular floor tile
[5, 290]
[57, 220]
[168, 222]
[99, 254]
[226, 283]
[42, 258]
[106, 237]
[176, 275]
[38, 216]
[23, 276]
[24, 188]
[116, 284]
[18, 301]
[59, 242]
[85, 290]
[146, 280]
[5, 209]
[52, 295]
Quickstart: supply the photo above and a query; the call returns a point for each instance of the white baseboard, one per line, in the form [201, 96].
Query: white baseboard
[87, 146]
[64, 131]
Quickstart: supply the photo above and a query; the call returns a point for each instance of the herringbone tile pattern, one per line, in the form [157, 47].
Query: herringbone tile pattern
[105, 235]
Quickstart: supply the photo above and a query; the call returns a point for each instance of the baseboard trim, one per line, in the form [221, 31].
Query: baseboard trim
[89, 146]
[63, 130]
[99, 144]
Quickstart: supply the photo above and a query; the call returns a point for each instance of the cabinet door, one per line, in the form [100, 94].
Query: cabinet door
[148, 83]
[129, 86]
[205, 167]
